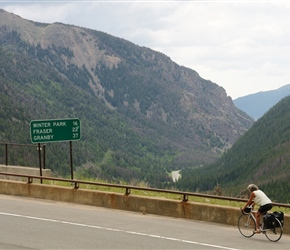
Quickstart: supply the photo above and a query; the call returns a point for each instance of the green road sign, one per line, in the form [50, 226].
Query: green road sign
[42, 131]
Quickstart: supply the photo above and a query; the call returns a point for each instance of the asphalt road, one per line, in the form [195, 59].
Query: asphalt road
[41, 224]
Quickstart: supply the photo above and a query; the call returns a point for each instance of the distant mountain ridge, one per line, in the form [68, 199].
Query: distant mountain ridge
[260, 156]
[256, 105]
[142, 114]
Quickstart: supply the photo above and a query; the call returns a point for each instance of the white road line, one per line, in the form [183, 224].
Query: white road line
[118, 230]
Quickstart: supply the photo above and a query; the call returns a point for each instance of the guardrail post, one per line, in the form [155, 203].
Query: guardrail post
[185, 197]
[30, 180]
[128, 191]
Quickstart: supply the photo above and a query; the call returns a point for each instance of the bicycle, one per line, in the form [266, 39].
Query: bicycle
[247, 226]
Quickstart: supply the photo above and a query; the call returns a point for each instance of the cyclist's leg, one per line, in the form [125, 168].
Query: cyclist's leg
[257, 217]
[262, 210]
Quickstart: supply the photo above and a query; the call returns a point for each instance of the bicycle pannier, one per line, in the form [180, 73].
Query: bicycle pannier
[280, 216]
[269, 220]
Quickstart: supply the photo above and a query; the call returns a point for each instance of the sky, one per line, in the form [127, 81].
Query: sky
[243, 46]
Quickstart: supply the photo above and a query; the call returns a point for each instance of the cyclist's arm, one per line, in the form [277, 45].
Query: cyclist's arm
[250, 201]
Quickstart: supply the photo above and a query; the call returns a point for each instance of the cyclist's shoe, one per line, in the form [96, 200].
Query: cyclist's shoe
[258, 231]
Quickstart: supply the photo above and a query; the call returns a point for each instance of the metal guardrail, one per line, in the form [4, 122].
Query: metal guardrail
[38, 146]
[128, 188]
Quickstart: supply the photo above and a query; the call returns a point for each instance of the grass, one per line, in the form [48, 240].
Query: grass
[159, 195]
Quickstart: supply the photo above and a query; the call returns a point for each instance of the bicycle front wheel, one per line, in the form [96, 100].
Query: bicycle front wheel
[246, 225]
[275, 233]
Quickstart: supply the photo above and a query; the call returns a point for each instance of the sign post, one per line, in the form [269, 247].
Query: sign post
[44, 131]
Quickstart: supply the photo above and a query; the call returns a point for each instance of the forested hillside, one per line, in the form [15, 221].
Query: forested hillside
[47, 95]
[261, 156]
[142, 115]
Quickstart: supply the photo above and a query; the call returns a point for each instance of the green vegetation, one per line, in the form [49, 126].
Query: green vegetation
[161, 195]
[141, 117]
[31, 91]
[135, 125]
[261, 156]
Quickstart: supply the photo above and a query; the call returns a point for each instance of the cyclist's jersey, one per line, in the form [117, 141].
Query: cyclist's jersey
[260, 198]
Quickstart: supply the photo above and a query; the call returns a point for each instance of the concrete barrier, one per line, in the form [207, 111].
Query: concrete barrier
[157, 206]
[22, 170]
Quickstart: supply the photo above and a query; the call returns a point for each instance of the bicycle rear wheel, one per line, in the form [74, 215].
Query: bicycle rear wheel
[246, 225]
[275, 233]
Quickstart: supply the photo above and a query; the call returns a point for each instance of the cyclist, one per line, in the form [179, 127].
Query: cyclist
[261, 199]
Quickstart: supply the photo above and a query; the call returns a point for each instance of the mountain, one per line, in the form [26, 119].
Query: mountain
[256, 105]
[142, 115]
[260, 156]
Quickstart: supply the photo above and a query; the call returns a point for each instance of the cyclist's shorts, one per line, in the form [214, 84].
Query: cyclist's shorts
[265, 208]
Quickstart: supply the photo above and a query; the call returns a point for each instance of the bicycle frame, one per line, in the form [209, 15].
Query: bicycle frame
[247, 227]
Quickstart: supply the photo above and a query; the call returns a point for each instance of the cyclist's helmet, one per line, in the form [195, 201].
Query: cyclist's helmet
[252, 187]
